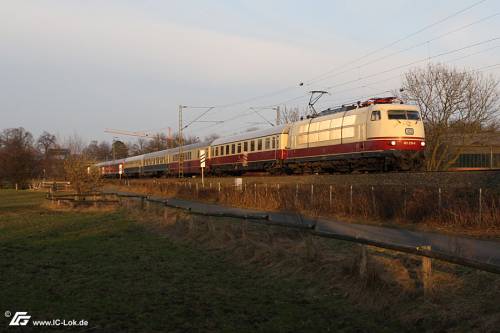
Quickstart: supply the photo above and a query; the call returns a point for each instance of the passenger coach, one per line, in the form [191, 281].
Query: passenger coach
[253, 151]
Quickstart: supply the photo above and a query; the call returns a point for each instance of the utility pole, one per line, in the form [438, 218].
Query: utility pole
[182, 127]
[278, 116]
[181, 143]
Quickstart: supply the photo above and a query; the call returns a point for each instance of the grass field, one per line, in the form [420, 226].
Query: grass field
[114, 272]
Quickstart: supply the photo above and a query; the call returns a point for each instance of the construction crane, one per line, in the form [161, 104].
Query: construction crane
[141, 134]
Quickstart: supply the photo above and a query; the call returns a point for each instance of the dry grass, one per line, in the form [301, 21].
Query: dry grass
[65, 206]
[456, 211]
[461, 300]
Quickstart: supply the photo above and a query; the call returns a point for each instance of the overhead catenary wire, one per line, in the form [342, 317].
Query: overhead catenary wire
[419, 61]
[426, 42]
[366, 55]
[372, 52]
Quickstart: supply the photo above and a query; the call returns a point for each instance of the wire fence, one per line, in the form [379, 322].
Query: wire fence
[460, 207]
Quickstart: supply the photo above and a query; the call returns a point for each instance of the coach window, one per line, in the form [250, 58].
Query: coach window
[245, 146]
[252, 145]
[277, 141]
[233, 148]
[259, 144]
[239, 147]
[375, 115]
[273, 143]
[267, 143]
[227, 149]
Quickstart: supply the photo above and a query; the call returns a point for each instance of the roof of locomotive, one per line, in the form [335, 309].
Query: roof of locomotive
[252, 135]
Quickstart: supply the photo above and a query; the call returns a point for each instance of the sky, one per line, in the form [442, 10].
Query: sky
[78, 67]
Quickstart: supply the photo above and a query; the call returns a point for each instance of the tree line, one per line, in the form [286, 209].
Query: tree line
[22, 157]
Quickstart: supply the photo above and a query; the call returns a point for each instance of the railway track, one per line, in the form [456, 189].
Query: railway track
[447, 179]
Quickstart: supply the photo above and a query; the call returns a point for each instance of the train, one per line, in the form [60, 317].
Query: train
[379, 134]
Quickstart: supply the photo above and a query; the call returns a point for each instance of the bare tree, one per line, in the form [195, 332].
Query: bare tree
[49, 166]
[17, 156]
[119, 150]
[74, 144]
[46, 141]
[79, 171]
[455, 105]
[98, 151]
[158, 142]
[290, 114]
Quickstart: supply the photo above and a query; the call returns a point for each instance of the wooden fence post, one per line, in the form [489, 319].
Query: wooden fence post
[350, 201]
[427, 272]
[404, 202]
[480, 205]
[373, 200]
[312, 194]
[439, 200]
[330, 196]
[255, 192]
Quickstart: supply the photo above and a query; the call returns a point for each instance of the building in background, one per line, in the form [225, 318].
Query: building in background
[482, 154]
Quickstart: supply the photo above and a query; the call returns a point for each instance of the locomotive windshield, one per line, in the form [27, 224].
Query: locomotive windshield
[403, 114]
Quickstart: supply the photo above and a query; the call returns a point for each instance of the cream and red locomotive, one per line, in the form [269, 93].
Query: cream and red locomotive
[381, 134]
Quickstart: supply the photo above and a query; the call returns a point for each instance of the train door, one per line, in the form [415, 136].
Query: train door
[374, 124]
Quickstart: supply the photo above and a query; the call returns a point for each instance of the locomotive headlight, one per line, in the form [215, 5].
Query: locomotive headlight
[392, 143]
[422, 143]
